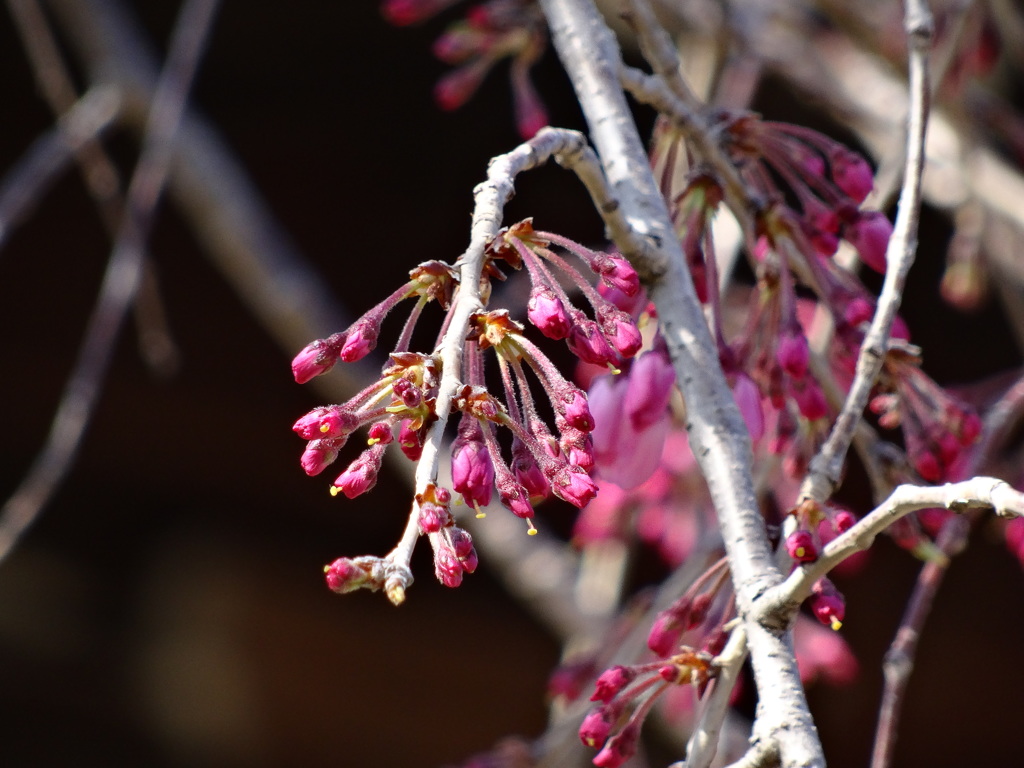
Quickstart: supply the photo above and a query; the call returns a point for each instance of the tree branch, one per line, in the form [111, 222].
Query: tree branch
[717, 434]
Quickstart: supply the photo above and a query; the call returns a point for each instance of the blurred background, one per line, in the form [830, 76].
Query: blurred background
[168, 607]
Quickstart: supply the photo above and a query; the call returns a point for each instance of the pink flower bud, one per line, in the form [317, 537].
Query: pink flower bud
[574, 485]
[516, 499]
[320, 454]
[472, 471]
[586, 341]
[748, 400]
[793, 354]
[620, 331]
[529, 111]
[598, 724]
[447, 567]
[801, 547]
[343, 575]
[361, 474]
[649, 389]
[666, 632]
[616, 272]
[611, 681]
[457, 86]
[380, 432]
[433, 517]
[620, 747]
[316, 358]
[852, 174]
[410, 441]
[528, 473]
[404, 12]
[811, 401]
[462, 542]
[928, 466]
[870, 234]
[827, 604]
[547, 312]
[844, 520]
[576, 410]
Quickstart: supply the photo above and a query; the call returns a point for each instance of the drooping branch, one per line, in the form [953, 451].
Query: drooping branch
[826, 468]
[717, 435]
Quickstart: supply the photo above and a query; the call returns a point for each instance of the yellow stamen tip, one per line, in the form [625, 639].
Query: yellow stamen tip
[480, 515]
[372, 441]
[531, 531]
[836, 624]
[335, 490]
[325, 428]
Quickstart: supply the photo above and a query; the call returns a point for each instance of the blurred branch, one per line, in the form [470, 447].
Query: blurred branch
[120, 281]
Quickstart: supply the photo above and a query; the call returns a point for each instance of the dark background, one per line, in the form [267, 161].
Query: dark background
[168, 607]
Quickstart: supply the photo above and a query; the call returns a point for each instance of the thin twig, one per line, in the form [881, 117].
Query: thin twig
[51, 154]
[899, 660]
[827, 466]
[120, 280]
[100, 174]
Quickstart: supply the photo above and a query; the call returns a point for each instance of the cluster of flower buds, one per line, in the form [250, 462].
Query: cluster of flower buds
[401, 406]
[489, 32]
[937, 427]
[694, 610]
[612, 725]
[814, 524]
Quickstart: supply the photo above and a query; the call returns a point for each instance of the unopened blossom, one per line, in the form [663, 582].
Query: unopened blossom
[620, 747]
[599, 722]
[320, 454]
[472, 471]
[801, 546]
[827, 604]
[611, 681]
[361, 474]
[317, 358]
[851, 173]
[869, 234]
[547, 312]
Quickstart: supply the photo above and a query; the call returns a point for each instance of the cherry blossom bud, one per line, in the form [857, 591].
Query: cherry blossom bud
[320, 454]
[611, 681]
[650, 387]
[620, 747]
[586, 341]
[410, 441]
[361, 339]
[827, 604]
[616, 272]
[801, 547]
[852, 174]
[344, 575]
[793, 354]
[529, 111]
[361, 474]
[870, 234]
[316, 358]
[811, 401]
[597, 725]
[844, 520]
[547, 312]
[576, 410]
[666, 632]
[574, 485]
[380, 432]
[516, 499]
[928, 466]
[472, 471]
[621, 332]
[433, 517]
[447, 567]
[748, 400]
[528, 472]
[455, 88]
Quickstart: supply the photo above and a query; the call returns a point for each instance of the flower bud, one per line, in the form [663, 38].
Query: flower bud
[801, 547]
[852, 174]
[611, 681]
[316, 358]
[870, 234]
[547, 312]
[320, 454]
[361, 474]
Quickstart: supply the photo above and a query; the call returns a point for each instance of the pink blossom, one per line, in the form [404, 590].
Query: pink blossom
[586, 341]
[624, 455]
[547, 312]
[618, 273]
[852, 174]
[345, 575]
[361, 338]
[576, 410]
[870, 234]
[320, 454]
[620, 747]
[793, 354]
[361, 474]
[447, 567]
[748, 400]
[472, 470]
[574, 485]
[801, 546]
[611, 681]
[650, 382]
[597, 725]
[316, 358]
